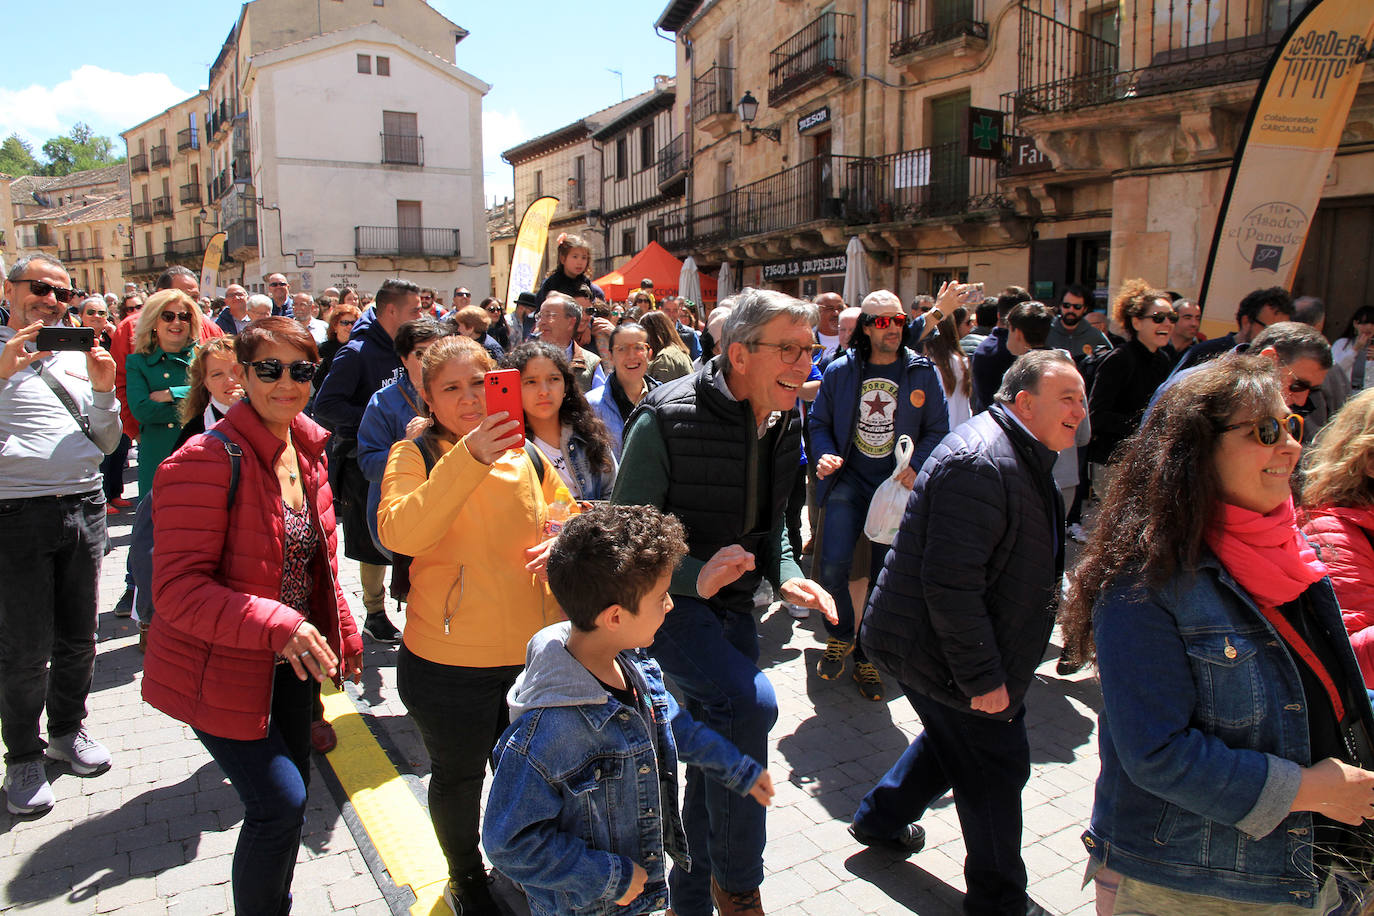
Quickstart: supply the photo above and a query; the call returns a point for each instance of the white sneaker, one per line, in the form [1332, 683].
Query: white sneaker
[1077, 533]
[763, 594]
[86, 755]
[797, 612]
[26, 788]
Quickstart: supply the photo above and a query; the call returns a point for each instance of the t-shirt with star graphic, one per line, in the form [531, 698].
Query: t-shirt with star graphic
[876, 422]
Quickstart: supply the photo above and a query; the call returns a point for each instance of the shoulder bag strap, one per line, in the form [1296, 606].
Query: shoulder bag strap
[65, 397]
[537, 459]
[235, 454]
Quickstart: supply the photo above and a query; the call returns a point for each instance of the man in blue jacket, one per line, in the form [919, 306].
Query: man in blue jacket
[874, 393]
[364, 365]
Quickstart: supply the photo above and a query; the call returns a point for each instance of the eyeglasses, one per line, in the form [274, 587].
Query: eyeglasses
[789, 353]
[1299, 385]
[169, 317]
[96, 313]
[830, 308]
[277, 284]
[41, 289]
[347, 322]
[1160, 317]
[1268, 430]
[495, 309]
[269, 370]
[883, 322]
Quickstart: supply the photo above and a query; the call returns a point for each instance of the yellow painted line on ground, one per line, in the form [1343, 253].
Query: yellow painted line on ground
[396, 822]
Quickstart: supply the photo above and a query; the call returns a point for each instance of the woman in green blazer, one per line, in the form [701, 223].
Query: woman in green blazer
[164, 340]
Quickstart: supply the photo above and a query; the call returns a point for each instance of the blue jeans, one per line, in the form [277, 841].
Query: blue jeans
[270, 775]
[713, 661]
[846, 509]
[460, 713]
[50, 553]
[987, 763]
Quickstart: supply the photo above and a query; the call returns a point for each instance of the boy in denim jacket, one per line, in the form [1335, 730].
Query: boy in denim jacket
[583, 807]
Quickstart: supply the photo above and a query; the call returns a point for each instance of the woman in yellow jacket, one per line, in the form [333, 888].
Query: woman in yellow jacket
[475, 527]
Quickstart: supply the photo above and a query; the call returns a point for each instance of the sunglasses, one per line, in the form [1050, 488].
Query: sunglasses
[41, 289]
[495, 309]
[1161, 317]
[1268, 430]
[347, 322]
[169, 317]
[1299, 385]
[94, 313]
[269, 370]
[883, 322]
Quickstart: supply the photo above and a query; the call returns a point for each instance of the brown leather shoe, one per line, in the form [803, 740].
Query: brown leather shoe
[744, 903]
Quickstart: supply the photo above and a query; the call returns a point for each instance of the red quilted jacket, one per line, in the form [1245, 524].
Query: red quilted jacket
[217, 577]
[1341, 537]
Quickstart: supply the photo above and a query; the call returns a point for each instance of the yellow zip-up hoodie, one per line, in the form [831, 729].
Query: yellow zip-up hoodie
[472, 602]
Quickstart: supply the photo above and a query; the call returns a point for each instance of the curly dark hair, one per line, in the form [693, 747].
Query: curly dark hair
[1162, 501]
[1134, 300]
[574, 411]
[612, 555]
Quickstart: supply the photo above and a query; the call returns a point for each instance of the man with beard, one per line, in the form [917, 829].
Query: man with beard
[1069, 331]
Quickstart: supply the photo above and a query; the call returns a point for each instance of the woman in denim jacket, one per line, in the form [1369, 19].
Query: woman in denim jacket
[1229, 686]
[561, 422]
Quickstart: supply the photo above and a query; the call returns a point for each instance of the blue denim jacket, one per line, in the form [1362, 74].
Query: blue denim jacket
[585, 788]
[1203, 734]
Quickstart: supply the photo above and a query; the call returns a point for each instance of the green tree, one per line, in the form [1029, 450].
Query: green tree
[78, 151]
[16, 157]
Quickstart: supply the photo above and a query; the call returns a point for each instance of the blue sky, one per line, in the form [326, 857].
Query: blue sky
[547, 62]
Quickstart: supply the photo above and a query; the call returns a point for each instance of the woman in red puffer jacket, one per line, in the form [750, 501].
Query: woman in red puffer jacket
[1338, 501]
[249, 608]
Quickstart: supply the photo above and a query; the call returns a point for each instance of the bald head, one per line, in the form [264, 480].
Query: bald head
[829, 305]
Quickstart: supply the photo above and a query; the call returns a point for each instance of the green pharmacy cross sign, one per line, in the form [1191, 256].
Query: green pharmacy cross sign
[983, 139]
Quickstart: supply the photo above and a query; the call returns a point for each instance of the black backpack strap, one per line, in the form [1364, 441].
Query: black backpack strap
[235, 454]
[537, 459]
[426, 453]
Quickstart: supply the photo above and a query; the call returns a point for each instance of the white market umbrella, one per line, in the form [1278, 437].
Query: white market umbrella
[855, 273]
[689, 283]
[725, 281]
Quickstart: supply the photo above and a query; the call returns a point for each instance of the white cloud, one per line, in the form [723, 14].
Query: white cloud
[108, 101]
[500, 131]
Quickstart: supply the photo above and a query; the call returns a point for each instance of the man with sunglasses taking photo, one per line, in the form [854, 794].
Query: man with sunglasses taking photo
[878, 391]
[58, 419]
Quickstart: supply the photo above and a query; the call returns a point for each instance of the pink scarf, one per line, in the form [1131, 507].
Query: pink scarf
[1266, 554]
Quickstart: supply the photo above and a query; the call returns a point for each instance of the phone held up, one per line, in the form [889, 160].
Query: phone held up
[503, 393]
[62, 338]
[971, 294]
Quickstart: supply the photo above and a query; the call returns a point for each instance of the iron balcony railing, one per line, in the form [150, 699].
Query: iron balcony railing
[672, 160]
[920, 24]
[144, 264]
[819, 50]
[138, 163]
[82, 254]
[1074, 54]
[713, 93]
[241, 167]
[184, 248]
[161, 156]
[162, 206]
[242, 238]
[403, 149]
[404, 242]
[141, 213]
[188, 139]
[190, 193]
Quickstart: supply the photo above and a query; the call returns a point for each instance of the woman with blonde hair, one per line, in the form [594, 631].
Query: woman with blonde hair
[164, 341]
[1338, 514]
[468, 505]
[672, 359]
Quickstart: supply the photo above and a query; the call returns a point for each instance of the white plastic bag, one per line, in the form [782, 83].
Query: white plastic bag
[889, 500]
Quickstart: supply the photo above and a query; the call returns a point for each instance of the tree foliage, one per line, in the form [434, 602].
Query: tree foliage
[75, 151]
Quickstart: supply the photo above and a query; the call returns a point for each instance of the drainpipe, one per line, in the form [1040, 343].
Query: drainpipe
[863, 79]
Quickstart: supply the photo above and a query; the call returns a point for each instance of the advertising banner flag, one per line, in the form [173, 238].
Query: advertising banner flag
[1284, 155]
[529, 248]
[209, 265]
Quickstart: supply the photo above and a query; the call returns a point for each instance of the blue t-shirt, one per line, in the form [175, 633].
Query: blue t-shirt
[875, 426]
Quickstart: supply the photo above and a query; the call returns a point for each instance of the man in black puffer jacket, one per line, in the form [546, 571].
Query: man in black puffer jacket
[961, 616]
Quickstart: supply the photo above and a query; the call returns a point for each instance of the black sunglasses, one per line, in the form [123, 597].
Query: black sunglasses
[1268, 430]
[269, 370]
[41, 289]
[169, 317]
[1161, 317]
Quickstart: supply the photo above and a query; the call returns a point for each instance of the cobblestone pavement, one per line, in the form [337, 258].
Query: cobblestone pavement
[156, 833]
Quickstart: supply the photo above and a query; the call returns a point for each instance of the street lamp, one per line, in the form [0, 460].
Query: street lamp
[749, 107]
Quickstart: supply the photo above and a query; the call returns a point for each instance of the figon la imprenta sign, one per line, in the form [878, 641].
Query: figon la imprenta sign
[805, 267]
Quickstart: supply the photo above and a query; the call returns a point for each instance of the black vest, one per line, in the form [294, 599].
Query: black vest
[715, 484]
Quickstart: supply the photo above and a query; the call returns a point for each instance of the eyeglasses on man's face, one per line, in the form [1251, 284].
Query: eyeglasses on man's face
[40, 289]
[789, 353]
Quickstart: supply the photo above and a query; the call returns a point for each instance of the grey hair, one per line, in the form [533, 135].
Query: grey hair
[1026, 372]
[260, 299]
[98, 300]
[17, 271]
[754, 308]
[570, 306]
[1292, 341]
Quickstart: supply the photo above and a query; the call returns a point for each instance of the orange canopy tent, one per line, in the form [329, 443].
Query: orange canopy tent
[656, 263]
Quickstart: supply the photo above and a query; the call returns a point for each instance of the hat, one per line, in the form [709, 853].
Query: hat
[527, 299]
[882, 302]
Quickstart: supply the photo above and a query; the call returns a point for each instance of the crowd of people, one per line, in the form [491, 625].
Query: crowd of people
[611, 526]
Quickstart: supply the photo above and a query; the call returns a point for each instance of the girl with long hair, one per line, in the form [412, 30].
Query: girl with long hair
[1234, 732]
[944, 351]
[561, 423]
[1351, 351]
[216, 384]
[672, 359]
